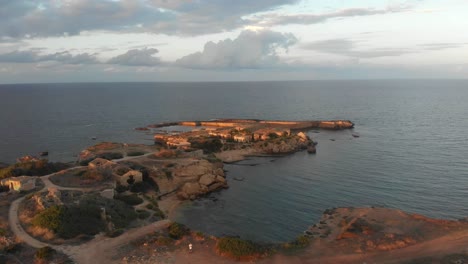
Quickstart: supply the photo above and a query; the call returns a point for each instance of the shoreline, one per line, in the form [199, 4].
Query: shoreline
[375, 229]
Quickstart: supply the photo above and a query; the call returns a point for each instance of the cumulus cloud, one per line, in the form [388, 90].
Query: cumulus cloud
[306, 19]
[31, 56]
[251, 49]
[137, 57]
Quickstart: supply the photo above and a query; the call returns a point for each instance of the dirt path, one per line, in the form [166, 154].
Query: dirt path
[103, 249]
[73, 251]
[18, 229]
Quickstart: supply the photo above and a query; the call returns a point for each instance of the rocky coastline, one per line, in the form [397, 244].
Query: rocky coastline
[147, 182]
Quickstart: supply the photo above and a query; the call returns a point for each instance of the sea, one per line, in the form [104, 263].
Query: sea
[411, 153]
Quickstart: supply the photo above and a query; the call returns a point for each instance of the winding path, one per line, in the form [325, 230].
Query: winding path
[98, 250]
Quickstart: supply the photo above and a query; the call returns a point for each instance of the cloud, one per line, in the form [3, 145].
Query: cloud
[43, 18]
[251, 49]
[346, 47]
[307, 19]
[22, 18]
[137, 57]
[442, 46]
[32, 56]
[212, 16]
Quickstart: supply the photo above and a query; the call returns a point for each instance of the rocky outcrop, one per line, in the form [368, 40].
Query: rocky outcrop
[361, 230]
[200, 178]
[282, 145]
[336, 124]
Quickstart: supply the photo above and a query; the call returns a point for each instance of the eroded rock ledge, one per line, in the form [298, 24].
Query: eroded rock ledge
[364, 230]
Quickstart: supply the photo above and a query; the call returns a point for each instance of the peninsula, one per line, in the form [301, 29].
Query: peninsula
[115, 204]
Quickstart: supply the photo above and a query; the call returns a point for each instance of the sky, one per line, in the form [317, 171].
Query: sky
[227, 40]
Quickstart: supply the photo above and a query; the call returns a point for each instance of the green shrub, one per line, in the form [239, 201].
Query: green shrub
[143, 214]
[2, 232]
[138, 187]
[208, 146]
[237, 247]
[110, 155]
[121, 188]
[32, 168]
[135, 153]
[159, 213]
[302, 241]
[150, 206]
[44, 253]
[115, 233]
[71, 221]
[4, 188]
[273, 135]
[177, 231]
[130, 199]
[121, 213]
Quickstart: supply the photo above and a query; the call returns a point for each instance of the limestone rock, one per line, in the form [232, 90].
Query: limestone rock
[191, 188]
[220, 179]
[302, 136]
[197, 169]
[207, 179]
[218, 172]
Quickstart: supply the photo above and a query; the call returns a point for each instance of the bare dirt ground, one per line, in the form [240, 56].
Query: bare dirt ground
[431, 242]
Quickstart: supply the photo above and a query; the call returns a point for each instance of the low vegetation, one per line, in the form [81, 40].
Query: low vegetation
[104, 155]
[90, 217]
[177, 231]
[44, 253]
[135, 153]
[207, 145]
[130, 199]
[237, 248]
[70, 221]
[32, 168]
[300, 242]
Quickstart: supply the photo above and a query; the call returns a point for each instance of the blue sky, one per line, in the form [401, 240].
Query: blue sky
[224, 40]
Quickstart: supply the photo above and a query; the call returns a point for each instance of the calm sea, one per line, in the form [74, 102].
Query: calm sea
[412, 152]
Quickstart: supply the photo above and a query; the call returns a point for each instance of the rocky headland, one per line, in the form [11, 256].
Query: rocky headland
[126, 190]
